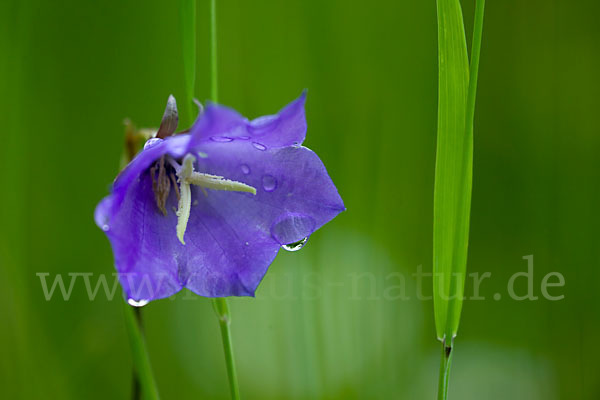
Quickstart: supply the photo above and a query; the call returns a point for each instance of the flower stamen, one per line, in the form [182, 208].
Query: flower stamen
[161, 185]
[219, 183]
[174, 180]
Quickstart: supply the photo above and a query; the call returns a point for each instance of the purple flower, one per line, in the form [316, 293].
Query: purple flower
[209, 210]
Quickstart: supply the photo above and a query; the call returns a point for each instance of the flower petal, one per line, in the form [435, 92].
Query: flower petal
[222, 124]
[240, 233]
[143, 240]
[176, 146]
[225, 255]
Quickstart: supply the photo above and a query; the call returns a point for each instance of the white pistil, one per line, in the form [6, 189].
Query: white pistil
[183, 212]
[187, 176]
[187, 166]
[185, 195]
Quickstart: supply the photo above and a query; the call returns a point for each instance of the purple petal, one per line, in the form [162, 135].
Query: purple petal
[176, 146]
[143, 241]
[222, 124]
[239, 234]
[141, 237]
[227, 254]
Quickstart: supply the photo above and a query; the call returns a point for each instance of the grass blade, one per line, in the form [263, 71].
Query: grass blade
[474, 72]
[453, 172]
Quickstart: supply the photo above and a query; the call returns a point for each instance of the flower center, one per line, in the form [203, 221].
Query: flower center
[163, 177]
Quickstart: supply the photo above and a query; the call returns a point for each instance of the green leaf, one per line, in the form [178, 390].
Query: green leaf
[187, 14]
[453, 172]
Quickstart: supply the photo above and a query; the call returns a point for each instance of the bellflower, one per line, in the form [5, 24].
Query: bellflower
[210, 208]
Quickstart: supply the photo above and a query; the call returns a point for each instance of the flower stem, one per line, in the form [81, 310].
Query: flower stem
[222, 310]
[142, 381]
[136, 390]
[136, 393]
[214, 91]
[187, 15]
[141, 361]
[220, 303]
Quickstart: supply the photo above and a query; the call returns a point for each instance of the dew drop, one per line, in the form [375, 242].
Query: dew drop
[137, 303]
[291, 226]
[245, 169]
[222, 139]
[152, 142]
[269, 183]
[296, 245]
[105, 227]
[259, 146]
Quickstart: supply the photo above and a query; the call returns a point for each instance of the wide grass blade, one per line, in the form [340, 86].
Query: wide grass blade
[453, 172]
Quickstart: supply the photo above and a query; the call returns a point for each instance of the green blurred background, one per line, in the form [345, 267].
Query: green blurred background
[327, 322]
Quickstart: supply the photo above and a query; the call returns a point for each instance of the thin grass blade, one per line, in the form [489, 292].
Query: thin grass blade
[187, 14]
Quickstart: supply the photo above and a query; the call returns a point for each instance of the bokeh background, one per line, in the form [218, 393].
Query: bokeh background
[328, 321]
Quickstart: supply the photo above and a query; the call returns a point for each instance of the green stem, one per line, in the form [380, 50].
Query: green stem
[136, 390]
[214, 91]
[220, 303]
[222, 310]
[142, 379]
[187, 16]
[445, 364]
[141, 360]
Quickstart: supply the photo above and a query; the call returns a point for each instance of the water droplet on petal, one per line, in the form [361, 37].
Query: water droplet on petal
[292, 227]
[259, 146]
[244, 137]
[137, 303]
[296, 245]
[222, 139]
[269, 183]
[245, 169]
[263, 124]
[105, 227]
[152, 142]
